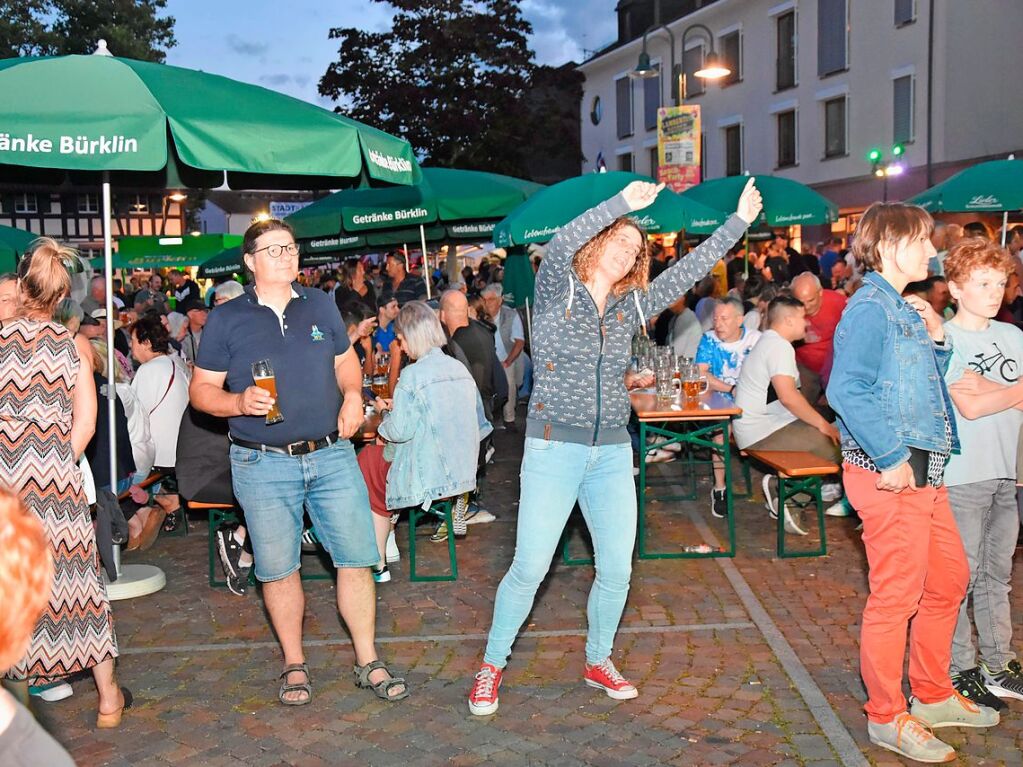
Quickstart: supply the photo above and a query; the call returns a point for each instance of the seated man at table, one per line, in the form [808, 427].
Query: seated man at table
[720, 356]
[814, 355]
[775, 415]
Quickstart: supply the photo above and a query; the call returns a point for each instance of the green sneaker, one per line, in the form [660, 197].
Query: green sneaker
[908, 736]
[956, 711]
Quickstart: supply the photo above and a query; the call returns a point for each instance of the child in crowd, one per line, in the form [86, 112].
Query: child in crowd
[983, 379]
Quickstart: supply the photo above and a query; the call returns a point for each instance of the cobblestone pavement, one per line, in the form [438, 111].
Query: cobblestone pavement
[751, 661]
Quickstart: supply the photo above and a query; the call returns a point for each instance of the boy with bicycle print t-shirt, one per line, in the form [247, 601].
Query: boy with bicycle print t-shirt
[984, 382]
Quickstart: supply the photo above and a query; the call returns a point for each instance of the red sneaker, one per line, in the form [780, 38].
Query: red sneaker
[604, 676]
[483, 698]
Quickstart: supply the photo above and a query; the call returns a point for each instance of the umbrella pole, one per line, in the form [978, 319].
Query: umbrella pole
[108, 269]
[426, 261]
[529, 324]
[1005, 226]
[746, 251]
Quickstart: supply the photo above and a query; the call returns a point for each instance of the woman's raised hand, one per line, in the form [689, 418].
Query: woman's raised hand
[640, 194]
[750, 203]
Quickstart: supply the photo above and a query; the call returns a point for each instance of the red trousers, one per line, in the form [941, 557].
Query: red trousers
[918, 573]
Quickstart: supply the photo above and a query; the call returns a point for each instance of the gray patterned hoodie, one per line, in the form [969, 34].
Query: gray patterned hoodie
[579, 358]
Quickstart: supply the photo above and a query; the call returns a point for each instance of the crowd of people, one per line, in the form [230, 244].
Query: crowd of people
[896, 354]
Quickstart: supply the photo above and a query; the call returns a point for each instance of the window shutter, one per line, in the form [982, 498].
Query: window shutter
[831, 36]
[623, 106]
[903, 12]
[651, 100]
[902, 111]
[691, 61]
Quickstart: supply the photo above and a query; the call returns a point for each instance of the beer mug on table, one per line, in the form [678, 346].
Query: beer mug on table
[664, 374]
[263, 377]
[694, 383]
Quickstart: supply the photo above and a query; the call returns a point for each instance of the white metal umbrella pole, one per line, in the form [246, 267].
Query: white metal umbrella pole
[132, 580]
[108, 268]
[1005, 226]
[529, 324]
[426, 261]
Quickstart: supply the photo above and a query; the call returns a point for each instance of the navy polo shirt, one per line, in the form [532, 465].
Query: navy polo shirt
[302, 354]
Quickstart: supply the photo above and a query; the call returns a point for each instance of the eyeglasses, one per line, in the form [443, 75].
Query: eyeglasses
[276, 251]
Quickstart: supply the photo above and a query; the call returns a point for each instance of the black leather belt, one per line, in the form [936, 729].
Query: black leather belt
[295, 448]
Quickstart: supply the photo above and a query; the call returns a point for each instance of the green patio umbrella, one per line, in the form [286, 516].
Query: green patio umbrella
[101, 120]
[519, 279]
[228, 261]
[993, 187]
[446, 204]
[786, 202]
[13, 244]
[179, 252]
[540, 217]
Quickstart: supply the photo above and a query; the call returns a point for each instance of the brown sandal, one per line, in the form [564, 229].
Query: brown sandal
[286, 687]
[381, 689]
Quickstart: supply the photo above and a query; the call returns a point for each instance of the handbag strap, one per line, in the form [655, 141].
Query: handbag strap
[170, 383]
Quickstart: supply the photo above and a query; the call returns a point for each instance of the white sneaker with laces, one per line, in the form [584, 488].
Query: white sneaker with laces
[391, 553]
[912, 738]
[831, 491]
[838, 509]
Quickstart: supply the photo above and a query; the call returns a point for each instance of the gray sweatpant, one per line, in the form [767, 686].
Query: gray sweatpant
[988, 522]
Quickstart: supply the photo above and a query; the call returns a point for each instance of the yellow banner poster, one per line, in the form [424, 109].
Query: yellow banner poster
[678, 146]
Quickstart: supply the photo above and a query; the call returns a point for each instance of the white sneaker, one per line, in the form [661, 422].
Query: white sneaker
[956, 711]
[831, 491]
[912, 738]
[490, 454]
[635, 471]
[391, 553]
[838, 509]
[477, 516]
[51, 693]
[794, 521]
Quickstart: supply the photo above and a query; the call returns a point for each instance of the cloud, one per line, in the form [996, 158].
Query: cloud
[276, 80]
[569, 31]
[245, 47]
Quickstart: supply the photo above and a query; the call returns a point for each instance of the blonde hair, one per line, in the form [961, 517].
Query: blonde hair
[587, 257]
[26, 576]
[45, 275]
[99, 361]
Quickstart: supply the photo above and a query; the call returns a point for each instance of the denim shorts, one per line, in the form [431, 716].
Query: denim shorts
[275, 489]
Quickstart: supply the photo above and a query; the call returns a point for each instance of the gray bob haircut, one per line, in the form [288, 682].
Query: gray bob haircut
[420, 329]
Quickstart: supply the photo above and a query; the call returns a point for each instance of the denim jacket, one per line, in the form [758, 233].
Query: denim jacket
[434, 429]
[887, 384]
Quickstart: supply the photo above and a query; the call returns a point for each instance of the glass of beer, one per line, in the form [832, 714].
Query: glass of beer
[263, 376]
[693, 385]
[380, 386]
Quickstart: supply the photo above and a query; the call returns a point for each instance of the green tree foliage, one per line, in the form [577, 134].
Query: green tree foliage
[451, 77]
[132, 28]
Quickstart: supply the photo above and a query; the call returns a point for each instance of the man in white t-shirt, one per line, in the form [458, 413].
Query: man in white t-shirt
[775, 415]
[720, 357]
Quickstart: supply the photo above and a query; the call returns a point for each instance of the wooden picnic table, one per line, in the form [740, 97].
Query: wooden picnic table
[674, 420]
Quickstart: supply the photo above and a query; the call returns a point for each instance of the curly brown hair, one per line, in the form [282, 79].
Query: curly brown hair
[975, 253]
[586, 258]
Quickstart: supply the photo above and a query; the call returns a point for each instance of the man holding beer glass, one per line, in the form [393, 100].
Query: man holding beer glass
[290, 452]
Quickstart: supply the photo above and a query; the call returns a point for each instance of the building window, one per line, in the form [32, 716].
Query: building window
[835, 127]
[651, 99]
[623, 106]
[692, 60]
[596, 111]
[88, 203]
[139, 204]
[905, 12]
[655, 161]
[733, 150]
[731, 55]
[786, 63]
[787, 139]
[26, 203]
[832, 36]
[625, 162]
[902, 111]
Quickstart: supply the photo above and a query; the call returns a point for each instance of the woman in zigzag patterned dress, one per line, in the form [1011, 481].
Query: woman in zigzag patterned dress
[47, 416]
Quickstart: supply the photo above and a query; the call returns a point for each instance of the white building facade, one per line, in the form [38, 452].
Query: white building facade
[817, 84]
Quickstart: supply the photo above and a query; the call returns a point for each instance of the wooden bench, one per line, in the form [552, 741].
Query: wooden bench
[442, 509]
[798, 472]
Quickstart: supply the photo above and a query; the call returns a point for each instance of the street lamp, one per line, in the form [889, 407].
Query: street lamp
[883, 170]
[713, 68]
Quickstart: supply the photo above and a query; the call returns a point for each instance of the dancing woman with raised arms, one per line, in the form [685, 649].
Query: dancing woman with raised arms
[591, 297]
